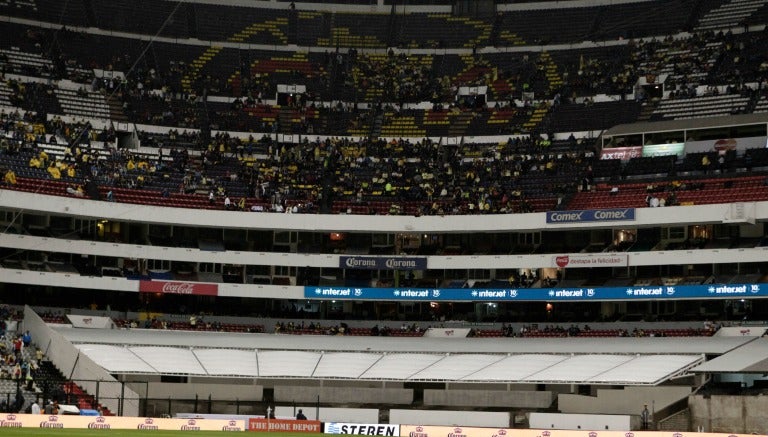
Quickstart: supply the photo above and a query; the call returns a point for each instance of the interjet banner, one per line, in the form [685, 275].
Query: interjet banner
[171, 287]
[539, 294]
[382, 262]
[361, 429]
[591, 215]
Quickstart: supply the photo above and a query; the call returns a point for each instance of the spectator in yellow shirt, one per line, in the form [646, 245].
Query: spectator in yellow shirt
[54, 172]
[10, 177]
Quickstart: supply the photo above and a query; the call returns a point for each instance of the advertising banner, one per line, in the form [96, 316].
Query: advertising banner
[170, 287]
[591, 260]
[91, 322]
[622, 153]
[539, 294]
[117, 422]
[664, 149]
[287, 425]
[456, 431]
[382, 263]
[452, 431]
[447, 332]
[361, 429]
[726, 144]
[591, 215]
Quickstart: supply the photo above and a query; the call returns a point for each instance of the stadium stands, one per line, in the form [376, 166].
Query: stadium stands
[366, 110]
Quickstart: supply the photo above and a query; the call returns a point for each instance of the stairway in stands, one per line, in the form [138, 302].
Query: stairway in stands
[196, 66]
[647, 111]
[116, 108]
[729, 14]
[537, 116]
[53, 385]
[554, 79]
[459, 124]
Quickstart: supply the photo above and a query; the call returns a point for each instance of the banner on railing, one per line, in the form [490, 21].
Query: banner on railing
[591, 215]
[383, 262]
[591, 260]
[90, 322]
[622, 153]
[540, 294]
[170, 287]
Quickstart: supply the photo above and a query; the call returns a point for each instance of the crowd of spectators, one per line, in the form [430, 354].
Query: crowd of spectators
[398, 78]
[310, 176]
[469, 179]
[153, 93]
[573, 330]
[201, 322]
[18, 364]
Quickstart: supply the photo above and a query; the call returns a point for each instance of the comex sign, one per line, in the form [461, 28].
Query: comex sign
[591, 215]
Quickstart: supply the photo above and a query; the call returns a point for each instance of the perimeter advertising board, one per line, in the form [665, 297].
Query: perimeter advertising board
[452, 431]
[117, 422]
[458, 431]
[361, 429]
[286, 425]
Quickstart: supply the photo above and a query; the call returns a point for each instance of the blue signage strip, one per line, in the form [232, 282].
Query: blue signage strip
[591, 215]
[383, 262]
[540, 294]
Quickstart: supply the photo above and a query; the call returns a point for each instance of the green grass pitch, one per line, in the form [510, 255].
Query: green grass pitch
[34, 432]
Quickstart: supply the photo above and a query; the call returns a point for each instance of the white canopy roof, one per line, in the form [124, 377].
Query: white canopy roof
[475, 367]
[328, 343]
[750, 358]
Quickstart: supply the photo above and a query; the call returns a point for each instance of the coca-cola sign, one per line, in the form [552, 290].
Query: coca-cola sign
[171, 287]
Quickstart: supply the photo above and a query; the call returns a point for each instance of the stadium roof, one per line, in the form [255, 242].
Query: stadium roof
[595, 345]
[750, 358]
[688, 124]
[618, 361]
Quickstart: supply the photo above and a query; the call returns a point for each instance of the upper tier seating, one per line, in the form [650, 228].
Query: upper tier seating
[700, 192]
[701, 107]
